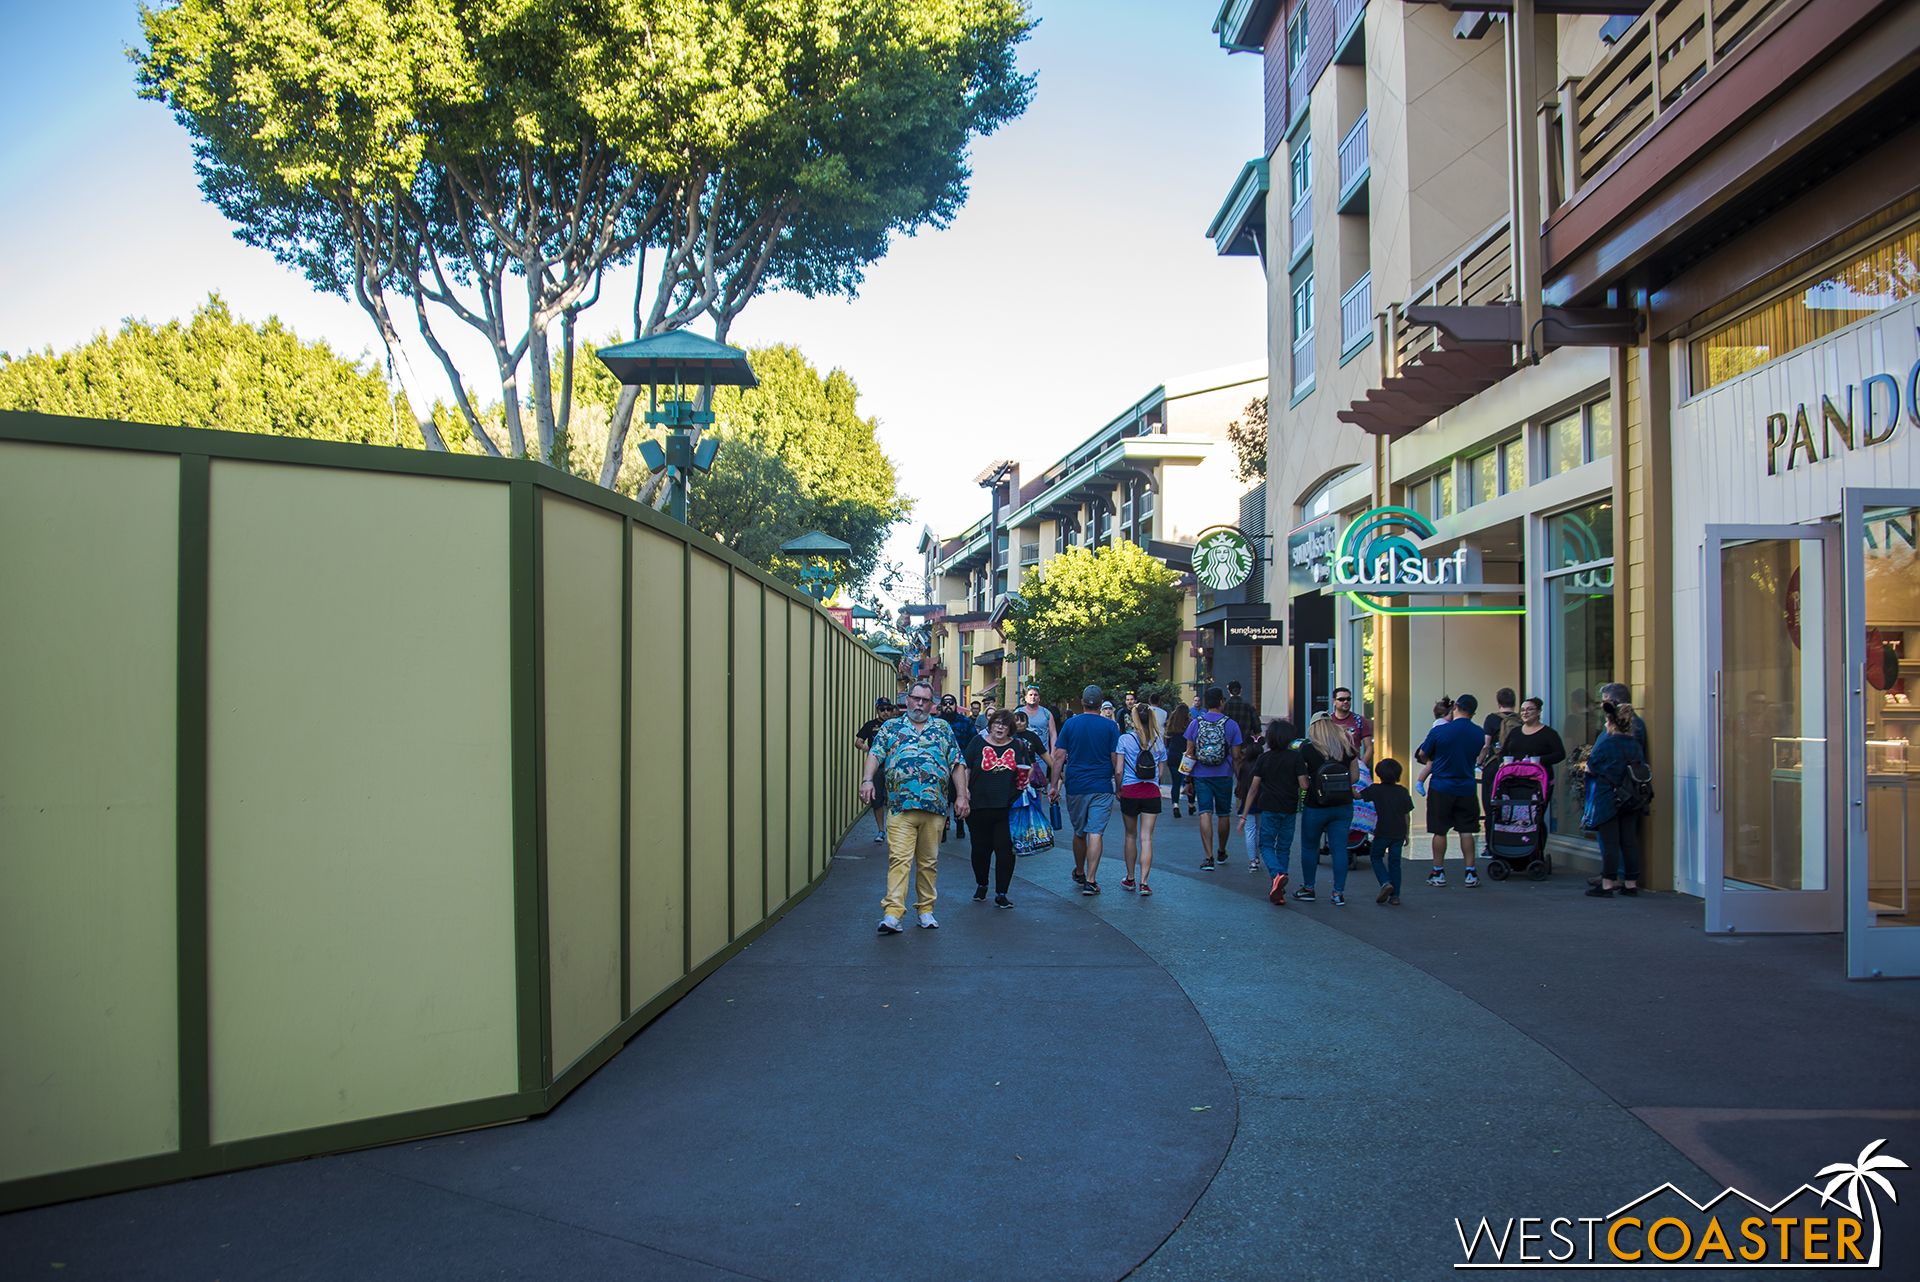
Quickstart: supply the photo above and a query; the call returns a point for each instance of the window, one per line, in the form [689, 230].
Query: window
[1443, 494]
[1300, 169]
[1870, 281]
[1513, 469]
[1297, 40]
[1579, 437]
[1579, 583]
[1418, 497]
[1303, 308]
[1483, 478]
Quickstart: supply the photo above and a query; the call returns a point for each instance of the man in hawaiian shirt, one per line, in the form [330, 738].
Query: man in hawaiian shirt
[920, 757]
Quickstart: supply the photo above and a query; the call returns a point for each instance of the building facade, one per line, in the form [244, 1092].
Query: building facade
[1156, 475]
[1675, 425]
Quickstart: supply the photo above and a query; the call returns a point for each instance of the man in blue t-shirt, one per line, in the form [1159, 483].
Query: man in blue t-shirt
[1451, 749]
[1086, 761]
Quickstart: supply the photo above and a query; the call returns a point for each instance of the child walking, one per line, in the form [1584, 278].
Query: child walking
[1392, 804]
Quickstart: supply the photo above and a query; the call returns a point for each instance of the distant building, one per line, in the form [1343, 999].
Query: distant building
[1155, 475]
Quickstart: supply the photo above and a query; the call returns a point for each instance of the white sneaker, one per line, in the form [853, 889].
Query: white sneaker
[879, 840]
[889, 925]
[927, 922]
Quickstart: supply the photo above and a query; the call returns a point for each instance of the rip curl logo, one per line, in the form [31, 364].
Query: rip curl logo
[1834, 1227]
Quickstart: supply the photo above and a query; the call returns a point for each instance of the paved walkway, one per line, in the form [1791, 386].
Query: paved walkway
[1196, 1085]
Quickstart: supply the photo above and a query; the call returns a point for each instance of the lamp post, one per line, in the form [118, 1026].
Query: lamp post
[682, 362]
[816, 552]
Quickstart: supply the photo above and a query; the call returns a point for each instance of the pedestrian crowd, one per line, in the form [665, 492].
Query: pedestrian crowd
[988, 770]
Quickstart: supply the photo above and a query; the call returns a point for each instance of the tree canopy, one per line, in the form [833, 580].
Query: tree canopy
[1107, 618]
[1249, 439]
[489, 162]
[215, 371]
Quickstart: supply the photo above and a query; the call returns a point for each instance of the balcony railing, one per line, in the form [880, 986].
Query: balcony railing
[1653, 64]
[1303, 363]
[1346, 15]
[1302, 227]
[1029, 553]
[1354, 168]
[1483, 274]
[1356, 314]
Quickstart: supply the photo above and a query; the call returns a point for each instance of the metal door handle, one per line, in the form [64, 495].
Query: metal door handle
[1713, 742]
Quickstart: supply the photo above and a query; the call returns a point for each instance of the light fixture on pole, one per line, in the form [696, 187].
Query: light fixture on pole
[681, 362]
[816, 553]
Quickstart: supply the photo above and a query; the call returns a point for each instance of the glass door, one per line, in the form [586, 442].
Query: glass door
[1774, 836]
[1319, 680]
[1882, 674]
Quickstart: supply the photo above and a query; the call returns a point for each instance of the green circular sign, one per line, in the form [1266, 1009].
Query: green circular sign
[1223, 558]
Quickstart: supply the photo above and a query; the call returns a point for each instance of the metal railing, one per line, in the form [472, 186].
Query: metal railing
[1353, 158]
[1653, 64]
[1356, 314]
[1029, 553]
[1346, 13]
[1303, 363]
[1301, 224]
[1480, 275]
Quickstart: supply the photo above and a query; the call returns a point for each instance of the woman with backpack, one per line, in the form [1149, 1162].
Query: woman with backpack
[1619, 786]
[1332, 767]
[1141, 753]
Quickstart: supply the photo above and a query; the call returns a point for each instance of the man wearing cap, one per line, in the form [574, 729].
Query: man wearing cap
[1085, 764]
[882, 713]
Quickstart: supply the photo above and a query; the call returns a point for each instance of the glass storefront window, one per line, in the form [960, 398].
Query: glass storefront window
[1417, 498]
[1364, 681]
[1483, 479]
[1443, 495]
[1580, 642]
[1892, 693]
[1871, 281]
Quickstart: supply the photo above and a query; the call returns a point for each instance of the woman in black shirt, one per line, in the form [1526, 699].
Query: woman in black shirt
[1535, 740]
[998, 767]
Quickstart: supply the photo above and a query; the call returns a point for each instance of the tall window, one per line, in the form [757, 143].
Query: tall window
[1579, 583]
[1303, 306]
[1297, 40]
[1300, 169]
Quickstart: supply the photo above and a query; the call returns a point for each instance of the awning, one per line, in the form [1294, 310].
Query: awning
[989, 659]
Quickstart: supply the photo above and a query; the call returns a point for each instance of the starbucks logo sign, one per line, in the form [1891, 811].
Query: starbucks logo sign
[1223, 558]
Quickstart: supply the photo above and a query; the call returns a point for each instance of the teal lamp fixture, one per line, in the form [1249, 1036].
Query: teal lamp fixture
[861, 615]
[680, 362]
[816, 553]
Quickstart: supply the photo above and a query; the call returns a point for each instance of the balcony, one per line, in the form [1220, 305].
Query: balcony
[1029, 554]
[1302, 228]
[1354, 169]
[1653, 64]
[1356, 316]
[1303, 364]
[1482, 274]
[1349, 26]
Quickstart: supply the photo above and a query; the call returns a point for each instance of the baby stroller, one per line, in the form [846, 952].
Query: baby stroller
[1517, 822]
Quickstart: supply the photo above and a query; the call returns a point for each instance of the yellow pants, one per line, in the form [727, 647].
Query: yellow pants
[913, 839]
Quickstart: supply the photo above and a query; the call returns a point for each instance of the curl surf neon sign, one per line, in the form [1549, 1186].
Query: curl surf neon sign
[1377, 557]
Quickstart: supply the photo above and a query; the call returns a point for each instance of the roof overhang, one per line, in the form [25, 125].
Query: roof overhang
[1239, 228]
[1242, 25]
[1540, 6]
[1124, 460]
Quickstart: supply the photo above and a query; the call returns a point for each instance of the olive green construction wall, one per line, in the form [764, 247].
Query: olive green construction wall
[352, 794]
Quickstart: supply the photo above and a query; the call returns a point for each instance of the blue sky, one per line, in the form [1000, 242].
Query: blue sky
[1076, 279]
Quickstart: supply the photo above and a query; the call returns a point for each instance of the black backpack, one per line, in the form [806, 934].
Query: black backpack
[1145, 768]
[1334, 779]
[1634, 792]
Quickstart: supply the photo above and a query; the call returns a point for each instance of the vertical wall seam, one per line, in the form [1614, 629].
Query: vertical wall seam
[540, 782]
[686, 759]
[524, 706]
[194, 1026]
[626, 766]
[765, 845]
[732, 788]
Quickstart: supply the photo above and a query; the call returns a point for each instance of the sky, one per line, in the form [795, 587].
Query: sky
[1077, 278]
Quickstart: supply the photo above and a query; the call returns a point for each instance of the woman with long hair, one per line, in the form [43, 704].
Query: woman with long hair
[1141, 752]
[1177, 722]
[1617, 828]
[998, 766]
[1332, 767]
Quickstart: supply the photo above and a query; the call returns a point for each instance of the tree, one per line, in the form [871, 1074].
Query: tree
[1107, 618]
[490, 162]
[215, 371]
[1249, 439]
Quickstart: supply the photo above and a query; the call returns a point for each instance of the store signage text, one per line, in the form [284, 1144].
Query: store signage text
[1377, 559]
[1797, 437]
[1310, 552]
[1255, 632]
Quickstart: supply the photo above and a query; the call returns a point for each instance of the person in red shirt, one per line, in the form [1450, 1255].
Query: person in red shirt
[1358, 728]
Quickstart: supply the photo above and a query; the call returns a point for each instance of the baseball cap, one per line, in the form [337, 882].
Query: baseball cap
[1090, 696]
[883, 702]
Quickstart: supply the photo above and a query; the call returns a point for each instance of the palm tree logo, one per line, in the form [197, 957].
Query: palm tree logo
[1861, 1175]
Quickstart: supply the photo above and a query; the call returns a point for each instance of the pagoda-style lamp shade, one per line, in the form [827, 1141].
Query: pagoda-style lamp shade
[678, 360]
[816, 551]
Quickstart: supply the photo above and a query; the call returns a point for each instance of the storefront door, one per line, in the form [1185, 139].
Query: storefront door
[1883, 714]
[1319, 692]
[1774, 830]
